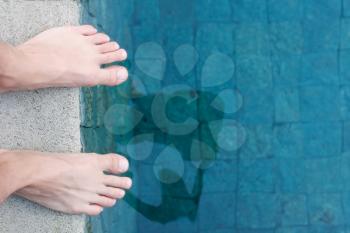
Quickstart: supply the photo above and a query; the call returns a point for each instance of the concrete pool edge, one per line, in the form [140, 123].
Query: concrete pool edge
[46, 120]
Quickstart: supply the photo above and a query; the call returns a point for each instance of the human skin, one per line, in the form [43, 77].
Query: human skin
[71, 183]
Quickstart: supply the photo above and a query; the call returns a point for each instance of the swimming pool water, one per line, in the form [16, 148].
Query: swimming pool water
[235, 118]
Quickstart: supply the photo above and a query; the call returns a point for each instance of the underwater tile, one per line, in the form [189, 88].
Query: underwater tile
[258, 107]
[345, 102]
[345, 34]
[345, 169]
[146, 11]
[253, 72]
[344, 64]
[322, 10]
[328, 229]
[287, 37]
[207, 10]
[321, 139]
[221, 177]
[177, 12]
[256, 211]
[294, 210]
[292, 173]
[252, 39]
[346, 204]
[321, 35]
[286, 69]
[294, 229]
[258, 142]
[324, 175]
[214, 214]
[346, 8]
[286, 105]
[320, 68]
[325, 210]
[165, 224]
[257, 176]
[285, 10]
[287, 141]
[319, 103]
[249, 10]
[217, 37]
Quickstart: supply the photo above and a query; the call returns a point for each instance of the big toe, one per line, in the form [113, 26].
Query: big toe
[112, 76]
[114, 163]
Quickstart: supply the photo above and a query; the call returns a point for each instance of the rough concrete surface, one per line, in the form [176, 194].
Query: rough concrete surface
[45, 120]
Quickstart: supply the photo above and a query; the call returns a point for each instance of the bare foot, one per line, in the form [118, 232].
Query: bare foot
[73, 184]
[65, 57]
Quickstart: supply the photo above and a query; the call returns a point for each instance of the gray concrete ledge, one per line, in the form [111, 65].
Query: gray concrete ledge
[46, 120]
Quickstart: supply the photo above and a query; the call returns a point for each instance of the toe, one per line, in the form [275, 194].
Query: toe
[108, 47]
[118, 182]
[104, 201]
[86, 30]
[114, 193]
[92, 210]
[99, 38]
[112, 76]
[119, 55]
[114, 163]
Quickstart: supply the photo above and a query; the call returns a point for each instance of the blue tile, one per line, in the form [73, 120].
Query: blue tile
[286, 69]
[212, 38]
[321, 140]
[285, 10]
[346, 8]
[258, 142]
[177, 12]
[345, 34]
[325, 210]
[294, 229]
[209, 10]
[287, 37]
[344, 64]
[322, 10]
[286, 105]
[320, 68]
[328, 229]
[146, 11]
[345, 102]
[257, 175]
[253, 72]
[252, 39]
[212, 216]
[249, 10]
[257, 107]
[346, 204]
[319, 103]
[345, 167]
[292, 175]
[321, 36]
[256, 211]
[294, 211]
[324, 175]
[221, 177]
[287, 141]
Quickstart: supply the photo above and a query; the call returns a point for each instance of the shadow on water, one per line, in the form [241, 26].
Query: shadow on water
[177, 200]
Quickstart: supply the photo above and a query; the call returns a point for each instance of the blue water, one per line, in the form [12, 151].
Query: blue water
[235, 117]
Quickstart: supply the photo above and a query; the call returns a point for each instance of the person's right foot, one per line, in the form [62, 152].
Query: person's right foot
[74, 184]
[68, 56]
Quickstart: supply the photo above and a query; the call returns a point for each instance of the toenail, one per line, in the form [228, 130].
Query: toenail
[122, 75]
[123, 165]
